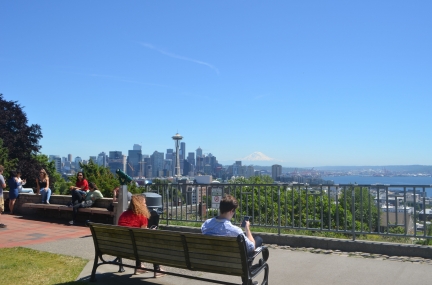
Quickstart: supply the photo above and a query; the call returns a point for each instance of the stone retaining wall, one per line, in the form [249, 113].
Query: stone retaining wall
[297, 241]
[56, 199]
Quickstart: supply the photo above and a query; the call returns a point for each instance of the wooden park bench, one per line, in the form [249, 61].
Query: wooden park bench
[196, 252]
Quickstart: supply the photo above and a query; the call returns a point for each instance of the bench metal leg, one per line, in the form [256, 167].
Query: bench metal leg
[121, 268]
[95, 265]
[249, 281]
[266, 274]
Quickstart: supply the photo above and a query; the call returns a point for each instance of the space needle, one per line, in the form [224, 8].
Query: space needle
[177, 138]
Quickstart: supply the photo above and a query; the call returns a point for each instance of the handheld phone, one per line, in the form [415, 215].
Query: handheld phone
[153, 227]
[245, 218]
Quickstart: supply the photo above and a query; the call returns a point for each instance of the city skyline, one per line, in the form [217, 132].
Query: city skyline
[306, 84]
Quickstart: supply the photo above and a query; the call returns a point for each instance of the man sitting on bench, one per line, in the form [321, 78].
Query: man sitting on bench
[221, 225]
[90, 198]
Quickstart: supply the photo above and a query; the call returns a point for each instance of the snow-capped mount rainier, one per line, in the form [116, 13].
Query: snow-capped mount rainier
[257, 156]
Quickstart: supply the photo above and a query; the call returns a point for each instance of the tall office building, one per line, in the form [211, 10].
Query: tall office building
[149, 171]
[191, 158]
[169, 154]
[199, 152]
[276, 171]
[145, 166]
[187, 167]
[136, 147]
[70, 157]
[182, 155]
[102, 159]
[182, 150]
[78, 160]
[57, 162]
[157, 163]
[168, 166]
[116, 161]
[134, 160]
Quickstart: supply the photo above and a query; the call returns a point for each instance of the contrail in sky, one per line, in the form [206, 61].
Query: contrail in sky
[180, 57]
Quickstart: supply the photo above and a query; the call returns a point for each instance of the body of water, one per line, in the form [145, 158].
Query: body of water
[396, 180]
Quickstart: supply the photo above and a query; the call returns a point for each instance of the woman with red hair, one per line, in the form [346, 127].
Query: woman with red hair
[137, 216]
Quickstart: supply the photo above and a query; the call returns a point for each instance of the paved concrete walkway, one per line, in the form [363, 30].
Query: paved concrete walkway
[286, 267]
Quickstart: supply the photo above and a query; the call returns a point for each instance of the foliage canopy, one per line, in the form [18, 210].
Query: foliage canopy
[21, 141]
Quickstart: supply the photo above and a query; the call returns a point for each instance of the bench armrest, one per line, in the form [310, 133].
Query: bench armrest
[265, 253]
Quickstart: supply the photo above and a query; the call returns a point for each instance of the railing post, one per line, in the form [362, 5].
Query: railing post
[279, 210]
[353, 213]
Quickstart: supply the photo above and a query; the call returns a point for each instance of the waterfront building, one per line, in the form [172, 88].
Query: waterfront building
[250, 171]
[276, 171]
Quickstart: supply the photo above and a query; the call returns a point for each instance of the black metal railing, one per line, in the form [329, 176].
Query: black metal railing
[372, 209]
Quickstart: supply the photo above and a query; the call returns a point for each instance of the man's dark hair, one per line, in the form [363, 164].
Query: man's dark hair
[227, 204]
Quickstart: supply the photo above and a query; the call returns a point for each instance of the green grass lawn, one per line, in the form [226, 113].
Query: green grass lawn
[20, 265]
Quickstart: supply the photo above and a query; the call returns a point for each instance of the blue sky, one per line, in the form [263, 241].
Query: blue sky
[307, 83]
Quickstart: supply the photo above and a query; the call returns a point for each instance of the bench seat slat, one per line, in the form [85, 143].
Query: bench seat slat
[204, 263]
[227, 251]
[167, 261]
[223, 251]
[217, 269]
[213, 258]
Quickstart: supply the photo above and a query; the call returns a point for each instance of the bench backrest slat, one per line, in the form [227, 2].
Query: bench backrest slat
[214, 254]
[113, 241]
[162, 247]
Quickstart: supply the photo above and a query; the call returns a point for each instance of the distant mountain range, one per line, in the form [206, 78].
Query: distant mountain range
[391, 168]
[257, 156]
[398, 168]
